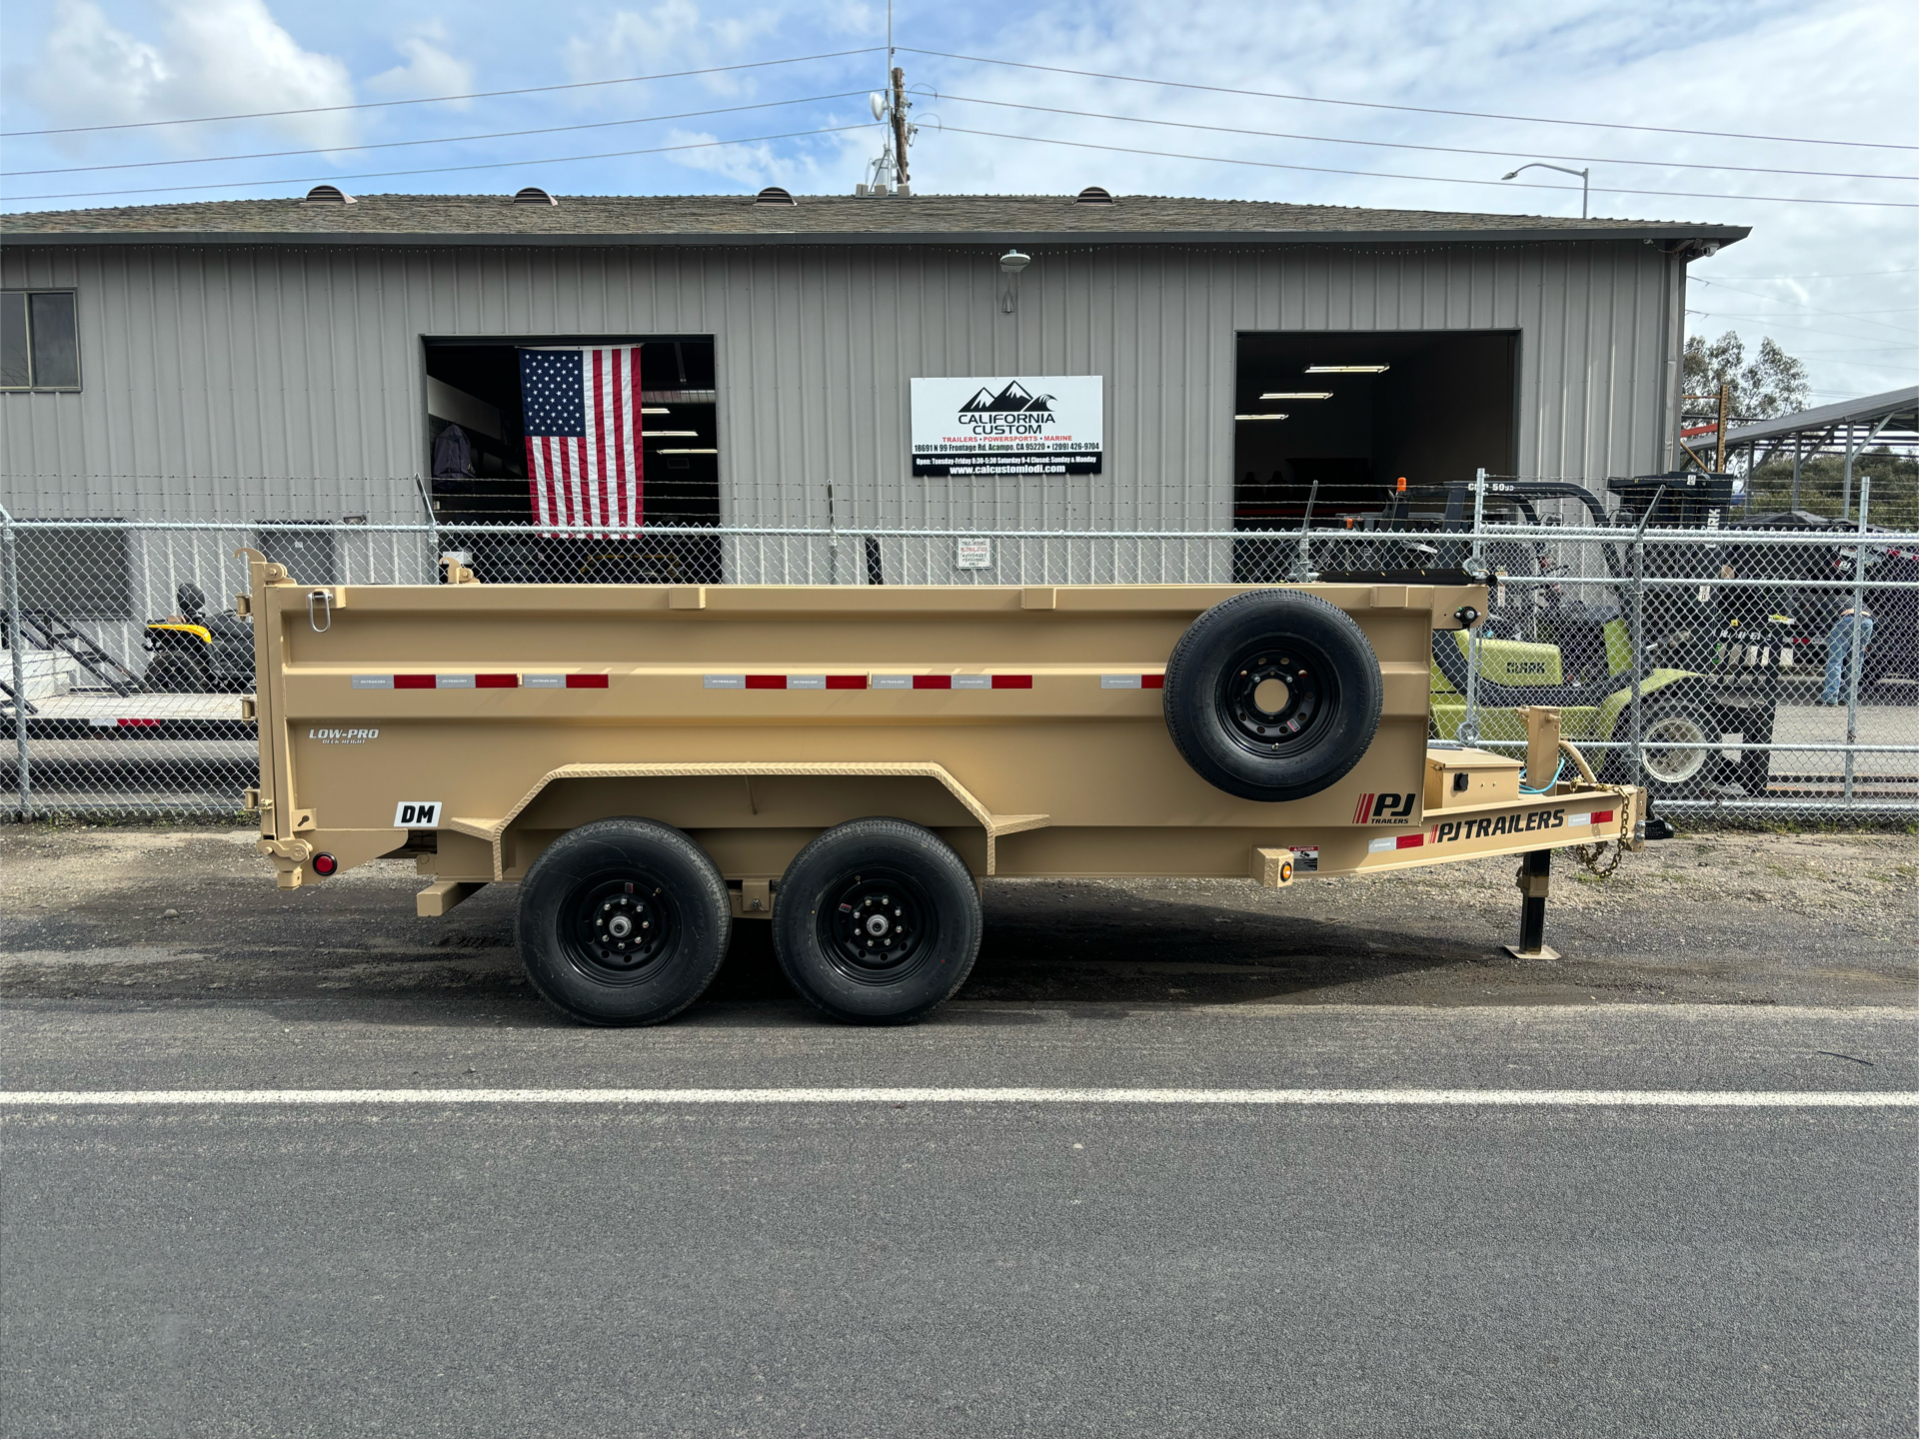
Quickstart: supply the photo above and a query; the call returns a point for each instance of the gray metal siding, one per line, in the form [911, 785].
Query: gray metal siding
[244, 383]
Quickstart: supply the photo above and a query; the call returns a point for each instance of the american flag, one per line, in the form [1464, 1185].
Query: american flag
[583, 438]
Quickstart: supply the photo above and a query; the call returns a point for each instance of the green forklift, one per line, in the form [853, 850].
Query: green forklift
[1709, 673]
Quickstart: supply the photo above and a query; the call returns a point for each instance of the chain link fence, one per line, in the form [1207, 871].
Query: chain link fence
[1731, 670]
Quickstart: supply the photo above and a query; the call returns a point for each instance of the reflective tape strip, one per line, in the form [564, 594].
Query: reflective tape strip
[1602, 817]
[1595, 817]
[766, 682]
[586, 682]
[496, 682]
[1395, 842]
[723, 682]
[1153, 682]
[893, 682]
[1013, 682]
[1133, 682]
[933, 682]
[543, 682]
[373, 682]
[453, 682]
[806, 682]
[973, 682]
[413, 682]
[846, 682]
[136, 721]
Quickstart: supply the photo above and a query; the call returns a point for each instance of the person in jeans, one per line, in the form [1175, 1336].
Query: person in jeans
[1840, 649]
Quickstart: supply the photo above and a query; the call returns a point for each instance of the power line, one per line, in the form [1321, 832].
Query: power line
[440, 99]
[442, 140]
[1429, 179]
[1774, 300]
[1406, 145]
[1411, 109]
[1840, 275]
[448, 169]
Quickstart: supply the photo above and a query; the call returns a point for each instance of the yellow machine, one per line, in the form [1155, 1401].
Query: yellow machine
[653, 762]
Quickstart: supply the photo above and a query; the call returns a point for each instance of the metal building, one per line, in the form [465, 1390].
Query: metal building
[262, 361]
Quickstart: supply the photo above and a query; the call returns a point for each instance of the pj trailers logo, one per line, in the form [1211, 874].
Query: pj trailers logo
[1387, 808]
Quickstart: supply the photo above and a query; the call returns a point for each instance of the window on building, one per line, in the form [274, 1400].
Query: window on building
[39, 343]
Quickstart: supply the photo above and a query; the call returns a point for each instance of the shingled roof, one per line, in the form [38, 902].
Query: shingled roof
[813, 219]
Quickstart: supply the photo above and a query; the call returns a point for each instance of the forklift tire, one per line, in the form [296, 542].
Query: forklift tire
[1273, 695]
[623, 922]
[1676, 774]
[877, 922]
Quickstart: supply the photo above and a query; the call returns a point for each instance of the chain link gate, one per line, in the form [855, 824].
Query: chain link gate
[1729, 670]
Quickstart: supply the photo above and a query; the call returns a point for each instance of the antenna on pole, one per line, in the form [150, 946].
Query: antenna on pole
[887, 172]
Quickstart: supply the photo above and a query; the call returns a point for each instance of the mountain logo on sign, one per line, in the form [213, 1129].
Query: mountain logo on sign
[1014, 399]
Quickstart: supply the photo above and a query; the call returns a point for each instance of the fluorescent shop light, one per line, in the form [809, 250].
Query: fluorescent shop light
[655, 410]
[1298, 395]
[672, 434]
[1345, 369]
[1259, 417]
[670, 450]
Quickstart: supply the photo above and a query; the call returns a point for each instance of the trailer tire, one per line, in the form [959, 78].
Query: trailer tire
[1263, 648]
[623, 922]
[877, 922]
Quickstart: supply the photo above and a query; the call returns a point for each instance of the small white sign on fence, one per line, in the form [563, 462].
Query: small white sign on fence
[974, 553]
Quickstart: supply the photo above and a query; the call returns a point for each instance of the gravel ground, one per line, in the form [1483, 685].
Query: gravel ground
[138, 916]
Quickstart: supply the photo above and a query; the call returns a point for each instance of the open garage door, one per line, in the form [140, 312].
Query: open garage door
[1356, 411]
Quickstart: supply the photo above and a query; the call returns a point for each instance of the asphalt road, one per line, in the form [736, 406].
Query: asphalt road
[912, 1267]
[963, 1268]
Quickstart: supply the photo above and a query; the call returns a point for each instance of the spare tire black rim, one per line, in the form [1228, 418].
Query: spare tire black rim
[616, 929]
[877, 926]
[1273, 695]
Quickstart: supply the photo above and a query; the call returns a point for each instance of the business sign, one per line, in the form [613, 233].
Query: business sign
[1007, 425]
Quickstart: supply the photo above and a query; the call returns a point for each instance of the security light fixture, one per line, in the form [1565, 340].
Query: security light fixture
[1297, 395]
[1260, 417]
[1011, 264]
[1346, 369]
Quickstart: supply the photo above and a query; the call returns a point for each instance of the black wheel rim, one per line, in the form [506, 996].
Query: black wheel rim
[1276, 697]
[877, 925]
[617, 927]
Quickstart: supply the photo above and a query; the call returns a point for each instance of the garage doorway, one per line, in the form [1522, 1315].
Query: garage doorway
[1355, 412]
[475, 384]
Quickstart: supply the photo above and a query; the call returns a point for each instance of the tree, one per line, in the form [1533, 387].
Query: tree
[1773, 383]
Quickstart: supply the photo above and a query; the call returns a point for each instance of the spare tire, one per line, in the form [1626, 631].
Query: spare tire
[1273, 695]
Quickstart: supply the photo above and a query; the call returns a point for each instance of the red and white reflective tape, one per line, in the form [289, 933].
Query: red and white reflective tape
[1595, 817]
[126, 722]
[1133, 682]
[497, 681]
[1395, 842]
[867, 682]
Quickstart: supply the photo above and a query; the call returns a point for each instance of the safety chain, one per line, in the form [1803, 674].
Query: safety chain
[1589, 857]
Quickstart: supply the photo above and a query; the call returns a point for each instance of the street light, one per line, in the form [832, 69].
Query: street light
[1543, 165]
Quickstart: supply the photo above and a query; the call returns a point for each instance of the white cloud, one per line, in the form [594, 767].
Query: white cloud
[673, 35]
[430, 69]
[213, 57]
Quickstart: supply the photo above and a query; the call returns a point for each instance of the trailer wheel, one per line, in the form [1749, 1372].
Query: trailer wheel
[877, 922]
[1273, 695]
[623, 922]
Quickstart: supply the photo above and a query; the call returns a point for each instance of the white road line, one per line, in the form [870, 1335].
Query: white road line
[1712, 1099]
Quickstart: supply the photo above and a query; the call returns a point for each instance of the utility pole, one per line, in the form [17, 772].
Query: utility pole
[899, 125]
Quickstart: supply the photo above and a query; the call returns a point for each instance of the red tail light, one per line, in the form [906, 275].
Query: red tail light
[324, 864]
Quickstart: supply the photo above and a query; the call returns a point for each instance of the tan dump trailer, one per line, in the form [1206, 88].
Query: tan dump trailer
[653, 762]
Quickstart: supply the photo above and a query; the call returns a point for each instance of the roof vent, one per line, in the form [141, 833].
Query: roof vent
[1094, 195]
[533, 195]
[774, 195]
[328, 195]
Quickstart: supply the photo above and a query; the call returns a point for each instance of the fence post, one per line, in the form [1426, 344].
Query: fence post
[1637, 640]
[1856, 648]
[1469, 732]
[23, 755]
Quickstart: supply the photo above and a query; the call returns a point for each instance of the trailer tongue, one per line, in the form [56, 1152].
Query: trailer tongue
[653, 762]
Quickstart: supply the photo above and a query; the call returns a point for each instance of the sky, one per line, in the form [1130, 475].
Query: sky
[1833, 283]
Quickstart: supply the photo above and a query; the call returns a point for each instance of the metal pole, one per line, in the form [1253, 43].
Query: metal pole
[1855, 647]
[1846, 480]
[1795, 503]
[1470, 720]
[833, 541]
[14, 638]
[1636, 645]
